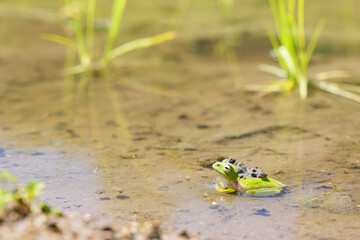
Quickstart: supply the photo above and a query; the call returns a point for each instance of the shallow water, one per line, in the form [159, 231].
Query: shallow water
[164, 173]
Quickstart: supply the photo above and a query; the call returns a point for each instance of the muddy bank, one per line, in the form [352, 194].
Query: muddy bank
[18, 222]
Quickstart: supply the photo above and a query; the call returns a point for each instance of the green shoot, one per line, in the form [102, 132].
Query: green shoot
[118, 10]
[330, 82]
[82, 17]
[84, 60]
[290, 47]
[59, 39]
[74, 10]
[24, 195]
[294, 55]
[123, 49]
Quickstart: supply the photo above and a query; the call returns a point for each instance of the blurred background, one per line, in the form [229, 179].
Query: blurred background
[123, 119]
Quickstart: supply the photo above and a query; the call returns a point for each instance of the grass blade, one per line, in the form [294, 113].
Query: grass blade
[58, 39]
[75, 70]
[314, 40]
[332, 88]
[117, 13]
[141, 43]
[301, 31]
[77, 26]
[272, 70]
[288, 59]
[90, 21]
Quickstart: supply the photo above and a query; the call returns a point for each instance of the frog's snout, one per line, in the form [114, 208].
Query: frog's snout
[215, 165]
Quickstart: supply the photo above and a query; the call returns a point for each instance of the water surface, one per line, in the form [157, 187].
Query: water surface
[163, 173]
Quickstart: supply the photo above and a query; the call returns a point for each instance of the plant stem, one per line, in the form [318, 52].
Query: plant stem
[90, 27]
[117, 13]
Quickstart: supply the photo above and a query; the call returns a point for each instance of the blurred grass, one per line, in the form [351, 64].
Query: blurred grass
[290, 47]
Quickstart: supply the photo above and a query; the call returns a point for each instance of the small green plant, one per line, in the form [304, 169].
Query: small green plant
[82, 23]
[294, 55]
[86, 59]
[23, 195]
[290, 47]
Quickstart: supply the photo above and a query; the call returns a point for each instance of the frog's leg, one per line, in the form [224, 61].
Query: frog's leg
[227, 190]
[263, 192]
[221, 188]
[278, 183]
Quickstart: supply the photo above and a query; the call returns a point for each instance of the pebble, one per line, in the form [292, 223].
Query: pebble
[117, 189]
[104, 198]
[122, 197]
[163, 188]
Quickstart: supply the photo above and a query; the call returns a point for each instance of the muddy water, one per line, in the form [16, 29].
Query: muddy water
[163, 173]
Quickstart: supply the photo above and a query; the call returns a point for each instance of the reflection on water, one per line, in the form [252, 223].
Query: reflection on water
[238, 217]
[163, 171]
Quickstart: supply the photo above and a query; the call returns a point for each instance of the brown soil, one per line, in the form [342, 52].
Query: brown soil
[18, 223]
[162, 173]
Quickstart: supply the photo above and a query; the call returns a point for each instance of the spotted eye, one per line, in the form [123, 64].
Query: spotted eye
[227, 168]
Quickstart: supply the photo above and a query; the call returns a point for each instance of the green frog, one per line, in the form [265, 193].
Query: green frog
[257, 186]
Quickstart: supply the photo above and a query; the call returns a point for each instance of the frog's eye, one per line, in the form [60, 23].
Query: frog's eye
[232, 160]
[227, 168]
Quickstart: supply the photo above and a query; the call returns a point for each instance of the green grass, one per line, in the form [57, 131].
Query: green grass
[87, 58]
[290, 47]
[23, 195]
[294, 54]
[82, 18]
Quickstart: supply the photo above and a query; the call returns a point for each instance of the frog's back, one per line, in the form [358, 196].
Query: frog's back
[264, 182]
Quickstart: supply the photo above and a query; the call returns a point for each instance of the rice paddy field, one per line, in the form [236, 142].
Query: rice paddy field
[132, 137]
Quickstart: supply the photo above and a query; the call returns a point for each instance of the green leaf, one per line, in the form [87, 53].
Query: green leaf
[273, 70]
[332, 88]
[141, 43]
[33, 189]
[59, 39]
[117, 13]
[7, 176]
[314, 40]
[285, 54]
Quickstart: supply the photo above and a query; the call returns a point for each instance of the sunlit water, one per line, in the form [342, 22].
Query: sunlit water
[164, 174]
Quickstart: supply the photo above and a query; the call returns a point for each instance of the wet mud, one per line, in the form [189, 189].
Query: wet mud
[162, 172]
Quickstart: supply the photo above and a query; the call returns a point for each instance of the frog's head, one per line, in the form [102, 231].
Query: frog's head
[229, 160]
[227, 170]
